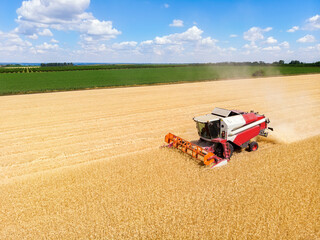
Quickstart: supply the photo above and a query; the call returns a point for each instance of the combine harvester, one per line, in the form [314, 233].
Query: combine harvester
[222, 130]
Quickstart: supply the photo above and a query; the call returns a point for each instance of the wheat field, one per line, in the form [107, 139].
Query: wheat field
[87, 164]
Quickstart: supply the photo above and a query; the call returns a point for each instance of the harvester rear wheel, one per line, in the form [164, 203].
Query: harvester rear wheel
[253, 146]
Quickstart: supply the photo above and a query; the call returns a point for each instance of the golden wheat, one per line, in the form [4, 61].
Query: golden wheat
[87, 164]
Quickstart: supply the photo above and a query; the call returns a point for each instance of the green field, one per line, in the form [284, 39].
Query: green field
[18, 83]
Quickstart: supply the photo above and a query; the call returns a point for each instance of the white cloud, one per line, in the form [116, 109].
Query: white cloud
[47, 46]
[208, 41]
[95, 27]
[11, 42]
[311, 48]
[189, 43]
[175, 49]
[54, 40]
[46, 32]
[307, 39]
[35, 15]
[255, 33]
[166, 5]
[251, 46]
[52, 11]
[33, 36]
[271, 40]
[293, 29]
[176, 23]
[268, 29]
[191, 35]
[124, 45]
[233, 35]
[272, 48]
[162, 40]
[313, 23]
[284, 44]
[147, 42]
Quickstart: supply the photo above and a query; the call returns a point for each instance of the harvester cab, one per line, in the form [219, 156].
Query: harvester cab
[210, 126]
[223, 130]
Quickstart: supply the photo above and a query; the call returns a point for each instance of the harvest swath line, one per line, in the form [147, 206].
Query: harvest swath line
[87, 164]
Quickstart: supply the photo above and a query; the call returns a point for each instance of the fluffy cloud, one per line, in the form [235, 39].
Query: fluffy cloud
[255, 33]
[54, 40]
[10, 42]
[191, 35]
[33, 36]
[233, 35]
[307, 39]
[313, 23]
[47, 46]
[147, 42]
[44, 48]
[94, 27]
[35, 15]
[271, 40]
[189, 42]
[272, 48]
[258, 47]
[251, 46]
[52, 11]
[208, 41]
[293, 29]
[284, 44]
[124, 45]
[176, 23]
[46, 32]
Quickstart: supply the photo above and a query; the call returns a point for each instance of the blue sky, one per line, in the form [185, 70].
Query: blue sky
[159, 31]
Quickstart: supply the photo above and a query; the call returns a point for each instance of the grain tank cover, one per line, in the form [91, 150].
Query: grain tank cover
[206, 118]
[221, 112]
[224, 112]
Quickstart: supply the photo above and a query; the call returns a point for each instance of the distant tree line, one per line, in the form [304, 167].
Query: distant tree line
[57, 67]
[297, 63]
[56, 64]
[11, 65]
[262, 63]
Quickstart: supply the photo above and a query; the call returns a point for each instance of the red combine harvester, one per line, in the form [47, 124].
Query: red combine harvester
[222, 130]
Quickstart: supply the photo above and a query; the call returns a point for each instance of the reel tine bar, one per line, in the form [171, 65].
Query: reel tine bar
[185, 146]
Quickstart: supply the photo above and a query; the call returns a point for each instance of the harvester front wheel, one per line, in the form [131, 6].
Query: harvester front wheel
[219, 150]
[231, 149]
[253, 146]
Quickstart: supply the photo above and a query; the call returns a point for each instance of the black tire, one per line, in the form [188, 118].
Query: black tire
[219, 151]
[253, 146]
[230, 146]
